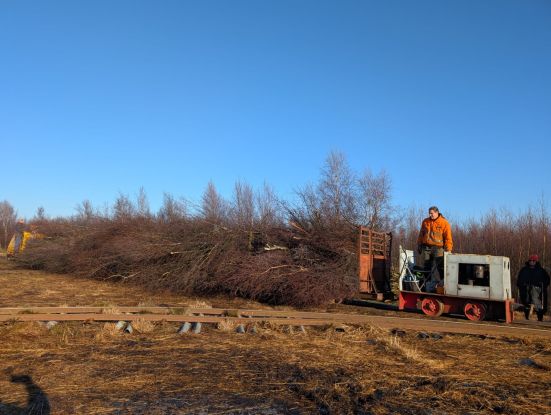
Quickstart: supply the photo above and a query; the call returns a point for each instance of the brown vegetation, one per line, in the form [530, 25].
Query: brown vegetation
[258, 246]
[276, 265]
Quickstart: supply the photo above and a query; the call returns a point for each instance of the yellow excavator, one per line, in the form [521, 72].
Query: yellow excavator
[20, 240]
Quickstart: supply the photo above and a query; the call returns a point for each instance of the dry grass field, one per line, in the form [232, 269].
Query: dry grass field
[78, 368]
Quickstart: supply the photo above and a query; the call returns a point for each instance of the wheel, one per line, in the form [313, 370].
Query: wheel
[475, 311]
[432, 307]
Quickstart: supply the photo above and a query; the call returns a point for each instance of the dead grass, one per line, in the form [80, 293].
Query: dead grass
[199, 304]
[362, 370]
[393, 343]
[98, 369]
[226, 326]
[36, 288]
[108, 330]
[143, 326]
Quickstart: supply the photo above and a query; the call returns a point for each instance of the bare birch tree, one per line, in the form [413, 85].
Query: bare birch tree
[8, 216]
[243, 209]
[85, 211]
[374, 200]
[142, 204]
[336, 190]
[123, 208]
[213, 206]
[172, 209]
[40, 214]
[269, 207]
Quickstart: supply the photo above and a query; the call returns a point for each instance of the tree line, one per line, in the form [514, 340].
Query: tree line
[327, 211]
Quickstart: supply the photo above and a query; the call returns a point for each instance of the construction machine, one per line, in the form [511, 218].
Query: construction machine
[16, 248]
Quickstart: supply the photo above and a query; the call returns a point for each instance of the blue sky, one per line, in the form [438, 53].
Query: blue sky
[452, 99]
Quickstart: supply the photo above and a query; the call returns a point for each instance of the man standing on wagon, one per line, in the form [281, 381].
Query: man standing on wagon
[435, 237]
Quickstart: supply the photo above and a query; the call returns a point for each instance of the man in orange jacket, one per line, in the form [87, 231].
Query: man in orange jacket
[435, 237]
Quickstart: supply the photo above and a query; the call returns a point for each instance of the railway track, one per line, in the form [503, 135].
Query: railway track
[289, 318]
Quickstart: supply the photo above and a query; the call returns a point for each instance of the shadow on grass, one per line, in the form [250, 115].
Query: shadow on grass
[37, 401]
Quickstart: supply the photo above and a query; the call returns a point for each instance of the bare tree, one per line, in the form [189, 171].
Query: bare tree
[85, 211]
[40, 214]
[336, 190]
[308, 212]
[544, 225]
[8, 216]
[409, 229]
[123, 209]
[526, 226]
[269, 207]
[142, 204]
[172, 209]
[213, 206]
[243, 210]
[374, 200]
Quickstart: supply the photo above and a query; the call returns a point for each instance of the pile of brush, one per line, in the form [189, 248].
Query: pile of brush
[254, 245]
[296, 265]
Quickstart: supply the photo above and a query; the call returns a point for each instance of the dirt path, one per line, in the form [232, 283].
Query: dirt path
[92, 368]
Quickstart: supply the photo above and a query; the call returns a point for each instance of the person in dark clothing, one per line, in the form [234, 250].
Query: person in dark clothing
[533, 282]
[19, 229]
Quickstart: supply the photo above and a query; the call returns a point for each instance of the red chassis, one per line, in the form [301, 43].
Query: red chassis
[474, 309]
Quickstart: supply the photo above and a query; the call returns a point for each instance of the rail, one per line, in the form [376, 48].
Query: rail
[278, 317]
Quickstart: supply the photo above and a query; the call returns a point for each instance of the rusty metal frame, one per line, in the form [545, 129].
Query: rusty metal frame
[374, 260]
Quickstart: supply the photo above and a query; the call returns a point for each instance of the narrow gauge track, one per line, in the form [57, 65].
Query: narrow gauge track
[291, 318]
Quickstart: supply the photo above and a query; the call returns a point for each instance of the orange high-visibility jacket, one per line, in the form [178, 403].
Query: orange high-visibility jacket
[436, 232]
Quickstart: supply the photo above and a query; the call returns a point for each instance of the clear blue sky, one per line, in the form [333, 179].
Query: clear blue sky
[452, 98]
